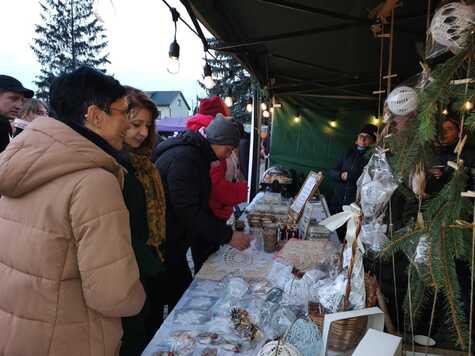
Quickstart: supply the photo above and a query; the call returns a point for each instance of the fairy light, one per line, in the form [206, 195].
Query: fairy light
[297, 118]
[445, 112]
[468, 105]
[333, 123]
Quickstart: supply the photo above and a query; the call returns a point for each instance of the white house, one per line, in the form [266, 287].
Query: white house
[170, 103]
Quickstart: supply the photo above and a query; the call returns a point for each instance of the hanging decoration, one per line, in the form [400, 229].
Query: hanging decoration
[402, 100]
[450, 24]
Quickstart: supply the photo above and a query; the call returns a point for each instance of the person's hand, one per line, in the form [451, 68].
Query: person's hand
[240, 240]
[344, 176]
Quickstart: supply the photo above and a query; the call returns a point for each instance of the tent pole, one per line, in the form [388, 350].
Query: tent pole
[254, 151]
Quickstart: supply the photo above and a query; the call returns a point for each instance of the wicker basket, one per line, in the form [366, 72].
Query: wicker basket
[344, 334]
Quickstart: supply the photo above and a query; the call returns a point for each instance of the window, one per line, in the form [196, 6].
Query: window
[179, 102]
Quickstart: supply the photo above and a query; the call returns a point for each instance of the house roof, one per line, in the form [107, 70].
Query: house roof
[165, 98]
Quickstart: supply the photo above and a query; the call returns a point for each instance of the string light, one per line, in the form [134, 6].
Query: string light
[228, 100]
[173, 66]
[375, 120]
[333, 123]
[249, 105]
[263, 106]
[208, 81]
[297, 118]
[266, 114]
[468, 105]
[445, 112]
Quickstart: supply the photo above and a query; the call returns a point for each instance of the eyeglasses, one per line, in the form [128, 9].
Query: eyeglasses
[125, 112]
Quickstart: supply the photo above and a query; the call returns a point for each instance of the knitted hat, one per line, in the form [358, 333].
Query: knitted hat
[213, 106]
[222, 131]
[370, 130]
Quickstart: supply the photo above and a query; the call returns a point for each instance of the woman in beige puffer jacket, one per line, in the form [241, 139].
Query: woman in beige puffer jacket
[67, 269]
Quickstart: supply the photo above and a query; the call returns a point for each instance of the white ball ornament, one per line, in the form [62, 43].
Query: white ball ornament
[281, 348]
[402, 100]
[449, 24]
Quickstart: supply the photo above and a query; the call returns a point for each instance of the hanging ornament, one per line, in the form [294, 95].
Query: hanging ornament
[422, 251]
[450, 23]
[402, 100]
[278, 348]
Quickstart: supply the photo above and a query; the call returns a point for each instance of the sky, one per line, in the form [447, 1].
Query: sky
[139, 34]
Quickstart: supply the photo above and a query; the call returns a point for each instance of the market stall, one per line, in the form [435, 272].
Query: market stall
[277, 294]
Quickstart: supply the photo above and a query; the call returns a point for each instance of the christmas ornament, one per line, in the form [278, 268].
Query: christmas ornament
[450, 23]
[402, 100]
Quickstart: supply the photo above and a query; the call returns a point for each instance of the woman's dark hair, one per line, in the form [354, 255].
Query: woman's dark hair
[138, 99]
[72, 93]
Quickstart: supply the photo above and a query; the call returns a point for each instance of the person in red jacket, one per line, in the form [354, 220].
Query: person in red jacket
[225, 192]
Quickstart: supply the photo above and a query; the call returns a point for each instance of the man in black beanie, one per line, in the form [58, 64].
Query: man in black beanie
[12, 94]
[349, 169]
[184, 164]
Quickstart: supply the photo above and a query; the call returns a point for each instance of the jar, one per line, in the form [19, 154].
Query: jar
[269, 236]
[256, 233]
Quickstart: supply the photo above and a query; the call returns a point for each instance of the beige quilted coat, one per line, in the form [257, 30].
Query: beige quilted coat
[67, 269]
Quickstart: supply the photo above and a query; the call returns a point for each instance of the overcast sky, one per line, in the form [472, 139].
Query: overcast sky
[139, 33]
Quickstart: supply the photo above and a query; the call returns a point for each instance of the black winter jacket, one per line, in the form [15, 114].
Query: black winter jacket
[344, 193]
[184, 164]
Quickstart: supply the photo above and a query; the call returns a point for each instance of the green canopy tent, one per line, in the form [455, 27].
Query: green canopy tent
[316, 57]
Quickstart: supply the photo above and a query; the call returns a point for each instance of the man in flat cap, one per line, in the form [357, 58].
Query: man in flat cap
[12, 95]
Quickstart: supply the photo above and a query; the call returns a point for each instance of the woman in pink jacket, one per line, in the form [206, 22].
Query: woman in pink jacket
[67, 267]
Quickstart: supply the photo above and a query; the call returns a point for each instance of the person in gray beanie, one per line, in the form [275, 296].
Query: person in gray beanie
[223, 131]
[184, 164]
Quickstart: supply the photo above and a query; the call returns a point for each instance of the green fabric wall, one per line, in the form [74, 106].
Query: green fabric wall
[313, 144]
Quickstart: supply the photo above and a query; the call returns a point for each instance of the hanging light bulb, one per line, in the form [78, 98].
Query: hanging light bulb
[208, 81]
[249, 106]
[333, 123]
[263, 106]
[468, 105]
[297, 118]
[173, 66]
[271, 109]
[445, 112]
[266, 114]
[375, 120]
[228, 100]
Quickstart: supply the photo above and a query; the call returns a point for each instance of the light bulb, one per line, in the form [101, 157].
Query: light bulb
[228, 101]
[297, 118]
[468, 105]
[209, 82]
[249, 107]
[173, 66]
[375, 120]
[333, 123]
[266, 114]
[445, 112]
[272, 109]
[263, 106]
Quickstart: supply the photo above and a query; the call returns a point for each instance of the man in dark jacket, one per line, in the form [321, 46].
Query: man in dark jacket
[349, 169]
[184, 165]
[12, 94]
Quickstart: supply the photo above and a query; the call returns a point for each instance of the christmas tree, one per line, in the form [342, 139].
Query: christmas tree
[69, 36]
[229, 74]
[441, 238]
